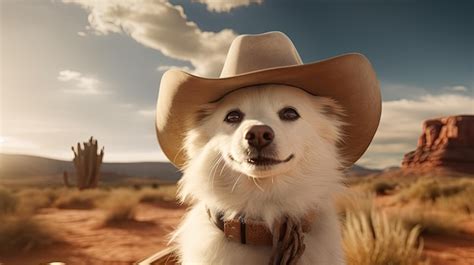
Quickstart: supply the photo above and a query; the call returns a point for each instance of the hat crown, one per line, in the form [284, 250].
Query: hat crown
[249, 53]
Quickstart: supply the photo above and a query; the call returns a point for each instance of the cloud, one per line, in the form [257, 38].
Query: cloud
[162, 26]
[19, 145]
[147, 112]
[226, 5]
[392, 91]
[457, 88]
[401, 123]
[83, 84]
[164, 68]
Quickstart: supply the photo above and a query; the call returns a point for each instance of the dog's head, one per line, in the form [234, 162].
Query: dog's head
[270, 136]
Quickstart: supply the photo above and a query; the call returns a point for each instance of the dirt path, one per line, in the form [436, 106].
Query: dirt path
[86, 241]
[441, 249]
[450, 250]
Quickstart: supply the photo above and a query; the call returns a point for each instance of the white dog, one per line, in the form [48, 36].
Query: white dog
[262, 154]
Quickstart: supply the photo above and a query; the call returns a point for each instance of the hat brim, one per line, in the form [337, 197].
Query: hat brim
[349, 79]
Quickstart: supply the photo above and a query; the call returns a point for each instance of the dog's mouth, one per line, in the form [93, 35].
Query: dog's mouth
[261, 161]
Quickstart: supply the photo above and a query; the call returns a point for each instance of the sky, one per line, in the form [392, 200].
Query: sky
[72, 69]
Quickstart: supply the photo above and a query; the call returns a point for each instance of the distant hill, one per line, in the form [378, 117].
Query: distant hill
[356, 170]
[33, 169]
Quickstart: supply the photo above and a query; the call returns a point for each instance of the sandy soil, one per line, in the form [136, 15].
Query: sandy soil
[452, 250]
[86, 241]
[440, 249]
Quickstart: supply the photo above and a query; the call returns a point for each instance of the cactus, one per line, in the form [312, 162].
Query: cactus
[87, 163]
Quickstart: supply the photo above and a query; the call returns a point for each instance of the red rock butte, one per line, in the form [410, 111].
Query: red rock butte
[445, 143]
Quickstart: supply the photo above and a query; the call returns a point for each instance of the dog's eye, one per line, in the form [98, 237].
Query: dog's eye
[288, 114]
[234, 116]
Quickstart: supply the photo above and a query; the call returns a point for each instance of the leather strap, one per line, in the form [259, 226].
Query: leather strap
[251, 232]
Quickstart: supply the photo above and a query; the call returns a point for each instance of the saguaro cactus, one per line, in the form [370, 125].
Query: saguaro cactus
[87, 163]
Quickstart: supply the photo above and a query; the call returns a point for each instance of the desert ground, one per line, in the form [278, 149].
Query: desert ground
[122, 225]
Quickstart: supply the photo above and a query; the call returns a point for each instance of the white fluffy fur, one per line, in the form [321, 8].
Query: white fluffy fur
[306, 182]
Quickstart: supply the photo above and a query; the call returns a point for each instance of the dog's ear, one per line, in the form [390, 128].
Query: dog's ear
[333, 113]
[202, 113]
[330, 108]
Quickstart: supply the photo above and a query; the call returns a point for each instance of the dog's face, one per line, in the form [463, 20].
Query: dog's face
[270, 132]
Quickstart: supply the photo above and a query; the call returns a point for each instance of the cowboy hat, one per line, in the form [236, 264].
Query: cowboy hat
[271, 58]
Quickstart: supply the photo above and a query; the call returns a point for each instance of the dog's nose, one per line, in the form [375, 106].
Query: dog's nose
[259, 136]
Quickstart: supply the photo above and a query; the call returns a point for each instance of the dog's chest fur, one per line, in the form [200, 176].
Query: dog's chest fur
[201, 242]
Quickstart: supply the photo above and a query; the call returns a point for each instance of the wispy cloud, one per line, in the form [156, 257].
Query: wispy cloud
[164, 68]
[458, 88]
[82, 84]
[226, 5]
[162, 26]
[401, 122]
[147, 112]
[17, 144]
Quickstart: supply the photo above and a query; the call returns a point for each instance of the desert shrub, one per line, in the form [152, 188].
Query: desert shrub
[462, 202]
[431, 190]
[163, 193]
[354, 203]
[378, 186]
[432, 222]
[8, 202]
[85, 199]
[384, 187]
[30, 200]
[120, 207]
[22, 234]
[375, 239]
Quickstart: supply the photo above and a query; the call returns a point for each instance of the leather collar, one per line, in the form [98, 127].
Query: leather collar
[251, 232]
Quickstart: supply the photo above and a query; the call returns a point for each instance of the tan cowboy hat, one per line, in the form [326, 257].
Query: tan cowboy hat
[271, 58]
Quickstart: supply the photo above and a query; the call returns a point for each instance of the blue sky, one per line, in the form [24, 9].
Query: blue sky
[75, 68]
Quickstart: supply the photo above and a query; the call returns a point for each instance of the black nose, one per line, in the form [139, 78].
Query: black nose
[259, 136]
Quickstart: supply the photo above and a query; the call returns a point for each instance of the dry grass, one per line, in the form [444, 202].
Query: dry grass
[23, 234]
[432, 189]
[85, 199]
[371, 238]
[449, 194]
[163, 193]
[31, 200]
[377, 186]
[431, 222]
[377, 240]
[120, 207]
[20, 232]
[8, 202]
[462, 202]
[354, 203]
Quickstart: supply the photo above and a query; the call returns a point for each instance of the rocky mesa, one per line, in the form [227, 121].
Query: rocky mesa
[445, 143]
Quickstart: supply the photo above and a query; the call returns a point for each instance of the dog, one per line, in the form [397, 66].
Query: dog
[265, 152]
[262, 148]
